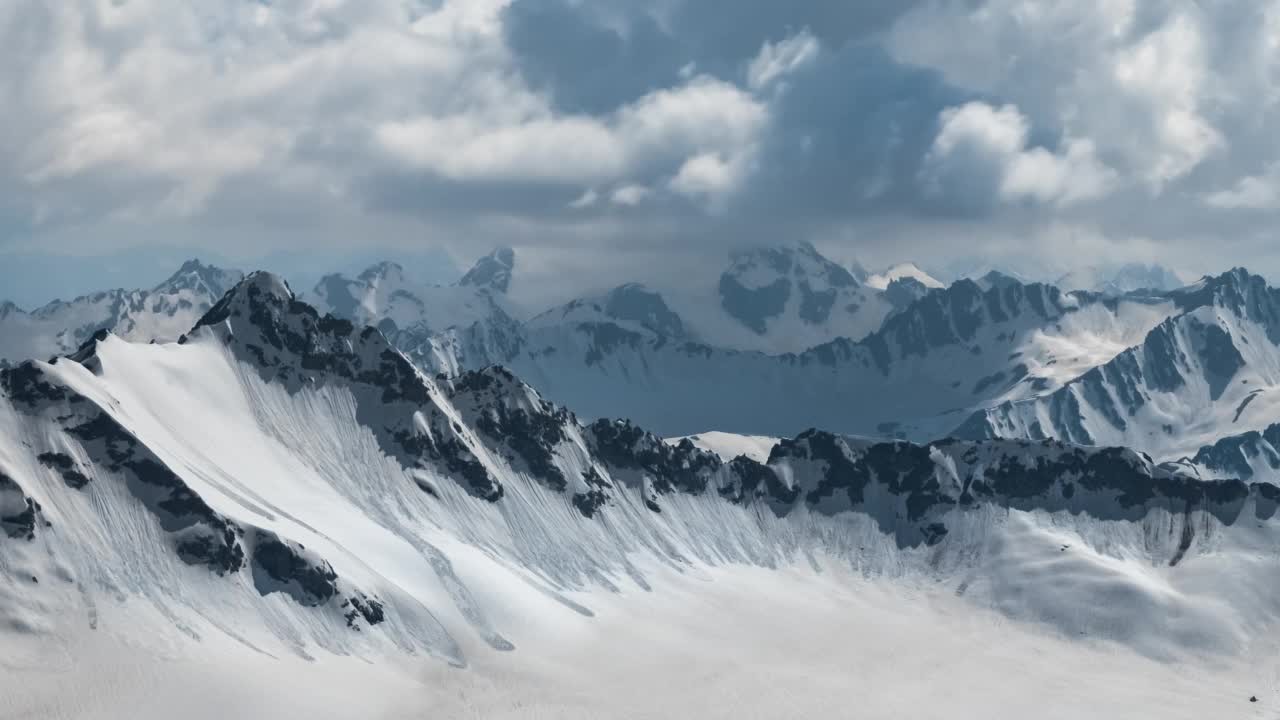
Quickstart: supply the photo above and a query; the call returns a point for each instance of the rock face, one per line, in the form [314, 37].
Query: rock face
[19, 514]
[1207, 368]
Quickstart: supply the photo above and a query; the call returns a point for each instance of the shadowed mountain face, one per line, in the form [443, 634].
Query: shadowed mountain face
[759, 287]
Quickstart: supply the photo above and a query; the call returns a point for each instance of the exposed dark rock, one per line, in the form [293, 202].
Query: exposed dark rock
[66, 467]
[311, 581]
[644, 307]
[511, 414]
[203, 537]
[363, 606]
[605, 338]
[19, 514]
[683, 467]
[27, 384]
[596, 495]
[815, 305]
[756, 480]
[753, 307]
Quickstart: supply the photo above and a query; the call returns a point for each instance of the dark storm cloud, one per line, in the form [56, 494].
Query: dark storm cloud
[588, 64]
[596, 56]
[849, 138]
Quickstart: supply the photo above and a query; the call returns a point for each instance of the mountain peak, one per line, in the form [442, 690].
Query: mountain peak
[198, 276]
[382, 271]
[1236, 288]
[996, 279]
[251, 296]
[266, 282]
[1121, 279]
[908, 270]
[636, 303]
[493, 271]
[783, 257]
[765, 283]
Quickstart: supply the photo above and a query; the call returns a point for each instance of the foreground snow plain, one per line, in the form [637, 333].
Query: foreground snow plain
[711, 642]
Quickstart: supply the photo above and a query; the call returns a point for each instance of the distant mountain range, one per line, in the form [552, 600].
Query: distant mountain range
[783, 339]
[160, 313]
[1121, 279]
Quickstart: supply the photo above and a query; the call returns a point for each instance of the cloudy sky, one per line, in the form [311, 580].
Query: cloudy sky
[600, 137]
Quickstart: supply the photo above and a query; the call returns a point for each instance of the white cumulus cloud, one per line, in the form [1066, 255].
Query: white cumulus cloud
[979, 143]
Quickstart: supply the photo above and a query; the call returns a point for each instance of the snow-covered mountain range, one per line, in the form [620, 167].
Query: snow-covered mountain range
[161, 313]
[282, 490]
[783, 299]
[385, 295]
[1163, 371]
[1121, 279]
[919, 375]
[1208, 371]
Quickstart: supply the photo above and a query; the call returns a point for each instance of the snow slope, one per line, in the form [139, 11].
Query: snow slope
[161, 313]
[729, 446]
[693, 649]
[283, 495]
